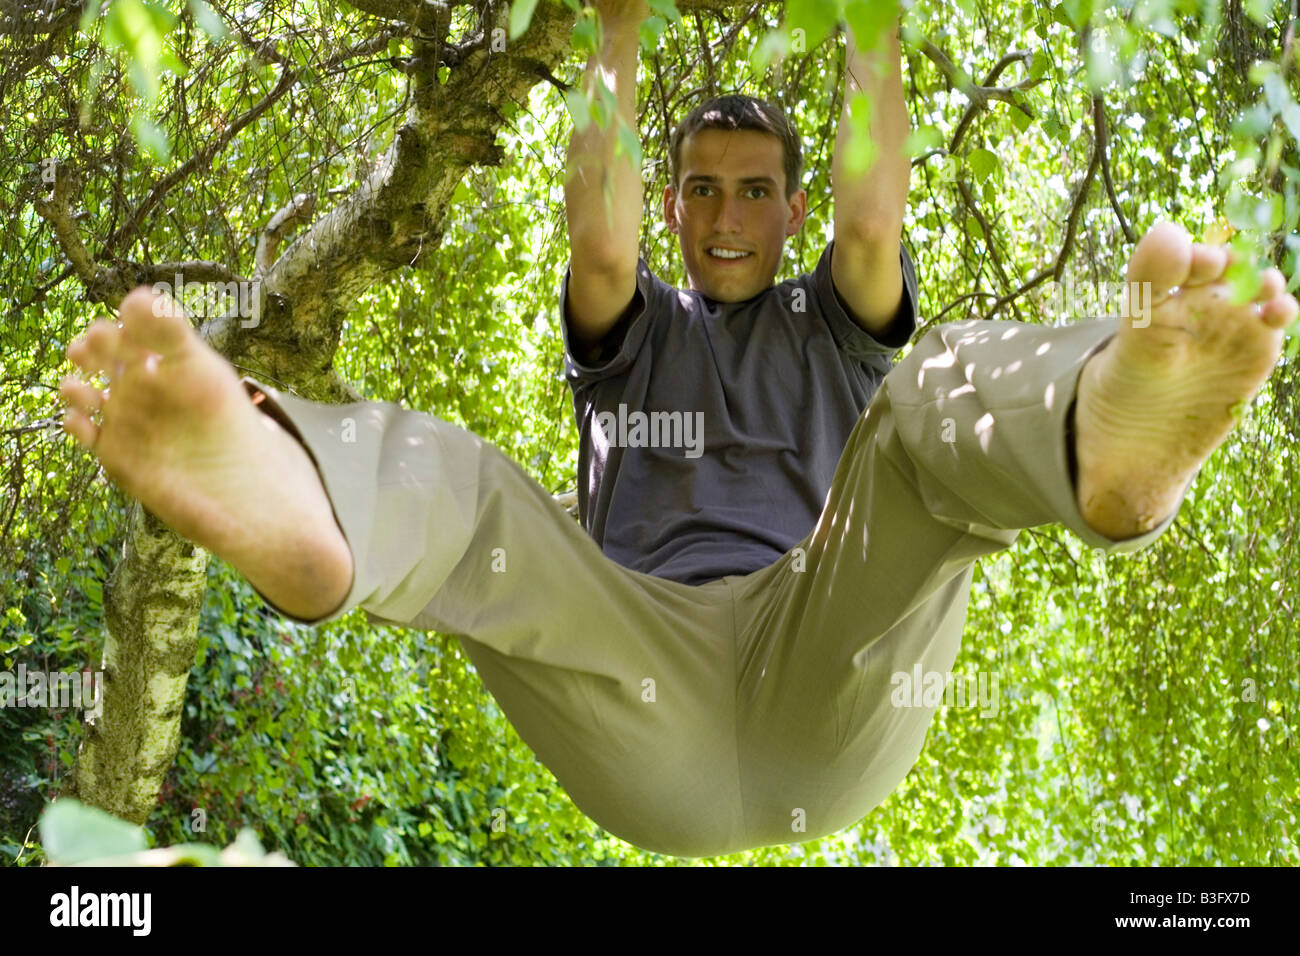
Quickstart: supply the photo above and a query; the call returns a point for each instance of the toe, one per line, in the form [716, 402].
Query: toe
[1280, 312]
[153, 322]
[81, 428]
[1208, 263]
[1271, 284]
[1163, 257]
[81, 395]
[99, 349]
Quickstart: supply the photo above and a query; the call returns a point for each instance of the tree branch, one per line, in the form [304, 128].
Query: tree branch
[54, 209]
[200, 159]
[1099, 124]
[979, 95]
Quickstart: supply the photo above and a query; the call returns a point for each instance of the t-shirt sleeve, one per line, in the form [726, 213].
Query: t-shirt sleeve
[622, 343]
[852, 338]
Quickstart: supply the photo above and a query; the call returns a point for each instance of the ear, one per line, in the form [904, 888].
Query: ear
[798, 212]
[670, 210]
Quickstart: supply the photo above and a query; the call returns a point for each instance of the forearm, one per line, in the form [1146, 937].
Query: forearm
[872, 204]
[603, 194]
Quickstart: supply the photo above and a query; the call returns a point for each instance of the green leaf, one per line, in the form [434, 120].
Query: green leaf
[1243, 276]
[207, 20]
[138, 31]
[809, 22]
[1078, 12]
[983, 163]
[1052, 126]
[1253, 122]
[521, 15]
[579, 109]
[162, 19]
[666, 9]
[1020, 119]
[1100, 61]
[861, 148]
[89, 15]
[920, 140]
[1282, 103]
[628, 144]
[1276, 211]
[586, 33]
[1258, 10]
[74, 833]
[870, 19]
[1039, 65]
[1293, 339]
[774, 45]
[151, 138]
[650, 31]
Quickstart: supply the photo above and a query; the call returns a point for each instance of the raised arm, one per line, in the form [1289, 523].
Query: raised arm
[869, 207]
[603, 239]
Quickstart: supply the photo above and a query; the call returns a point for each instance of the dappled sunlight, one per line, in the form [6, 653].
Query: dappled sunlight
[984, 430]
[946, 360]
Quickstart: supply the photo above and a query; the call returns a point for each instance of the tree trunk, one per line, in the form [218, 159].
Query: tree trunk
[152, 603]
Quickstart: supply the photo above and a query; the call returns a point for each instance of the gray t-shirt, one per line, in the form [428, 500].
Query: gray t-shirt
[709, 438]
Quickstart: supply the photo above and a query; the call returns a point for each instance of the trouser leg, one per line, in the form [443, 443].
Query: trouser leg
[621, 683]
[964, 444]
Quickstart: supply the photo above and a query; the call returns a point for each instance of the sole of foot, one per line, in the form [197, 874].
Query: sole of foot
[177, 432]
[1166, 391]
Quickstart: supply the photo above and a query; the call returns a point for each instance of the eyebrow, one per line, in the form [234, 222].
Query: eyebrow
[746, 181]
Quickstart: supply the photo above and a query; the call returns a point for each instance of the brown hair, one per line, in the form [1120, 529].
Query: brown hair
[737, 112]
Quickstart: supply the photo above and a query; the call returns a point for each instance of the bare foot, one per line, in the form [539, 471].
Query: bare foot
[179, 434]
[1159, 399]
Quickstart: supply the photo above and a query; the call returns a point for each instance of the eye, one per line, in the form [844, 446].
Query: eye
[696, 190]
[762, 190]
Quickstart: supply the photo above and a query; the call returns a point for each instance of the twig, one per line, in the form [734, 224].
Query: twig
[1076, 208]
[979, 94]
[1099, 124]
[200, 159]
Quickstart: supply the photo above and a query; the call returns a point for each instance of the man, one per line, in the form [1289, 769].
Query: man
[750, 708]
[777, 377]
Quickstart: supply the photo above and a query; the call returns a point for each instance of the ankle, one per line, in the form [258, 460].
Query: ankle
[297, 556]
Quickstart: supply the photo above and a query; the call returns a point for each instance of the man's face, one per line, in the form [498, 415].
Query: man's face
[732, 198]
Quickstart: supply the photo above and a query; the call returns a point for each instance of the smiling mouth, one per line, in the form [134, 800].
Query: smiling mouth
[727, 255]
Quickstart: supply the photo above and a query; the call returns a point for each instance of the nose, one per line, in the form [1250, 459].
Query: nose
[728, 215]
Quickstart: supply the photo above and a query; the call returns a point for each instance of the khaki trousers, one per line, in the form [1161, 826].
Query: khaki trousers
[752, 710]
